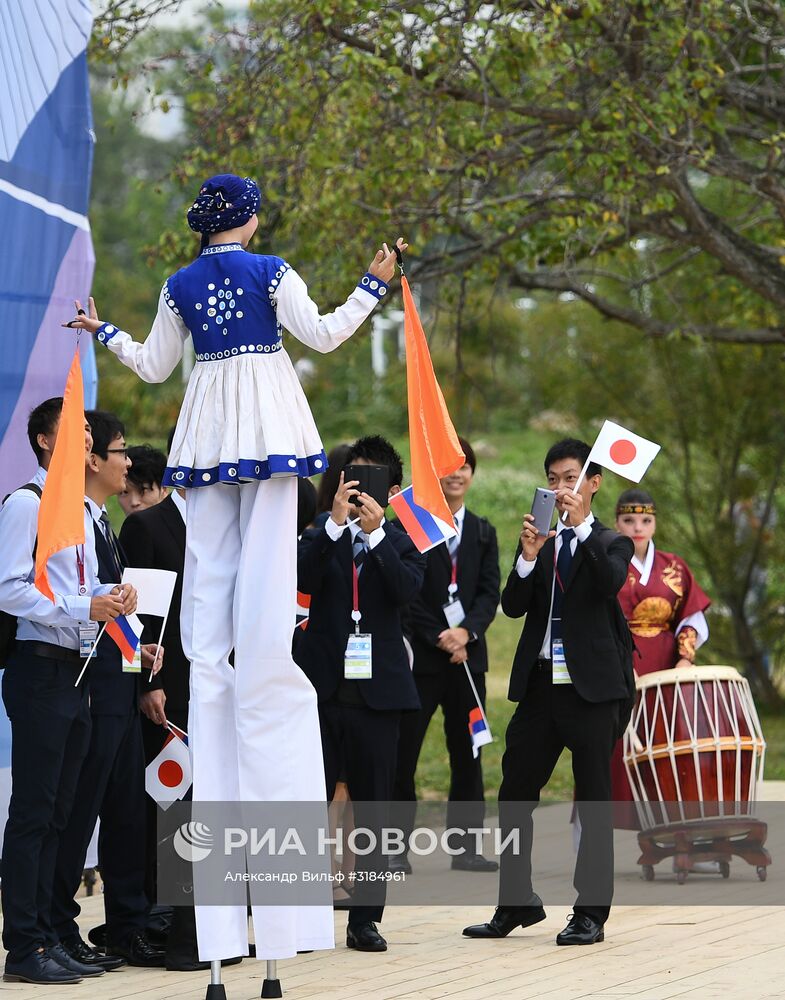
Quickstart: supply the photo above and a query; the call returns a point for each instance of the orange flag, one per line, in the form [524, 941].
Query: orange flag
[435, 451]
[61, 514]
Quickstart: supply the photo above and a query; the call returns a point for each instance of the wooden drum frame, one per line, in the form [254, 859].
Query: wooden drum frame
[694, 754]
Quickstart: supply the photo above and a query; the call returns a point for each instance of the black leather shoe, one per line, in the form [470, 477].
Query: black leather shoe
[507, 918]
[365, 937]
[62, 957]
[399, 863]
[39, 968]
[193, 964]
[86, 955]
[473, 863]
[581, 929]
[97, 936]
[137, 950]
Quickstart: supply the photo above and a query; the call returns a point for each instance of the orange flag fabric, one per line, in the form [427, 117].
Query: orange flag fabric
[61, 514]
[435, 451]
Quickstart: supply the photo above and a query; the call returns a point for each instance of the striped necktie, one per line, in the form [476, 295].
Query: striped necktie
[454, 542]
[360, 550]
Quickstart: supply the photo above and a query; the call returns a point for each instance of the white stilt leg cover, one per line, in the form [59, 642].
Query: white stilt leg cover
[254, 728]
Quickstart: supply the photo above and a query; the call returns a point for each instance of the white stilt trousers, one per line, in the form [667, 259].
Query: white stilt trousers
[254, 727]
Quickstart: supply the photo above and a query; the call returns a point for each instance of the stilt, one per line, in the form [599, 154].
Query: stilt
[271, 987]
[216, 990]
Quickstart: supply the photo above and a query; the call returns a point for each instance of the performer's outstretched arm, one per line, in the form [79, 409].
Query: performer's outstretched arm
[299, 314]
[157, 357]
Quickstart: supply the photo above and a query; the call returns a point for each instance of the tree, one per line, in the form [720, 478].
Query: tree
[541, 143]
[117, 23]
[715, 409]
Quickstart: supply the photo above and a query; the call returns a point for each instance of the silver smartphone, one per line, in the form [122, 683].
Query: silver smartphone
[542, 509]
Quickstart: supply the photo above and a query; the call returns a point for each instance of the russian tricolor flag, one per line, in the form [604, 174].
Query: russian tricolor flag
[425, 529]
[126, 630]
[478, 730]
[303, 609]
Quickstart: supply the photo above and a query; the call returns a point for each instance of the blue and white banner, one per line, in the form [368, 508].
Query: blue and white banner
[46, 151]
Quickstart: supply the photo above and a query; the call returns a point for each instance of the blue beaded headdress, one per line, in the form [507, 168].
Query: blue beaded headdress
[224, 202]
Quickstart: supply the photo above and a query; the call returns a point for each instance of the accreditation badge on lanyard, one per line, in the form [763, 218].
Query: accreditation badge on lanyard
[357, 663]
[453, 609]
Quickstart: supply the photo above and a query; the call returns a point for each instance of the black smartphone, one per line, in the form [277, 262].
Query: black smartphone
[373, 479]
[542, 509]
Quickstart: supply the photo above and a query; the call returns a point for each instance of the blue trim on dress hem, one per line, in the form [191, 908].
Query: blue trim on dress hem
[246, 470]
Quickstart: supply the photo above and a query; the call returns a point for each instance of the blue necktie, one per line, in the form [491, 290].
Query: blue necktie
[359, 550]
[453, 543]
[563, 563]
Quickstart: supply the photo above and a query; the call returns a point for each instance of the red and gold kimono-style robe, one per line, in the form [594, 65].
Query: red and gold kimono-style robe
[664, 608]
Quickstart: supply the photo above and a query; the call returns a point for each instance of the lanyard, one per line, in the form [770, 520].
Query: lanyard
[80, 569]
[452, 589]
[356, 615]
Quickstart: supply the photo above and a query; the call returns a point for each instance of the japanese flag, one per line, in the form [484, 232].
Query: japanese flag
[623, 452]
[168, 777]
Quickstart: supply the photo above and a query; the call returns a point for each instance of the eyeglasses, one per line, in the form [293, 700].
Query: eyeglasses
[116, 451]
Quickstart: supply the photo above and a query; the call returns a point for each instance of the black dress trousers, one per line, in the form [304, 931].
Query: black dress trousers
[50, 731]
[550, 718]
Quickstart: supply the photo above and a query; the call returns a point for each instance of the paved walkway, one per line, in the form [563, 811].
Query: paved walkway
[650, 953]
[717, 952]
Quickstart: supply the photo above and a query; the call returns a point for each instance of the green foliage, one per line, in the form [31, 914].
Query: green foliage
[513, 142]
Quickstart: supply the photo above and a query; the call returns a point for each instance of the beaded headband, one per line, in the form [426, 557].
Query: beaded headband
[636, 508]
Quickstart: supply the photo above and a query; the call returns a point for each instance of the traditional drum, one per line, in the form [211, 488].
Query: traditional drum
[694, 748]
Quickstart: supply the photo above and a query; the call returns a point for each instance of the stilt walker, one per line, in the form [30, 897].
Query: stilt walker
[245, 432]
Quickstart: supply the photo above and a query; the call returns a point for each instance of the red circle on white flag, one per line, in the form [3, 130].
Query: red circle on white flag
[623, 451]
[170, 774]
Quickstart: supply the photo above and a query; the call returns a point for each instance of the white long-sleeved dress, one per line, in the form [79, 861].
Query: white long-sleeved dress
[244, 416]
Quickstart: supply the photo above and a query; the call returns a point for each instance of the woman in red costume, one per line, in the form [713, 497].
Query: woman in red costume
[664, 608]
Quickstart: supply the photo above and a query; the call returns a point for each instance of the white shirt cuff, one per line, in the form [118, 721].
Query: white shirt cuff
[583, 531]
[376, 536]
[334, 531]
[523, 567]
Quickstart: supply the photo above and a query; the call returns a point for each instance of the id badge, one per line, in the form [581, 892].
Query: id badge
[136, 666]
[454, 613]
[560, 673]
[87, 636]
[357, 661]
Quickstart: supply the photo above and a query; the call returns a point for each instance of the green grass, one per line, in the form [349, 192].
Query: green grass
[509, 469]
[502, 492]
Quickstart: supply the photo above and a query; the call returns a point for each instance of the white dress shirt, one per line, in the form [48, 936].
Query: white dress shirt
[335, 531]
[39, 619]
[526, 566]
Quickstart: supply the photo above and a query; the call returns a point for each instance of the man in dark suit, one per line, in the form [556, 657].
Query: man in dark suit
[111, 782]
[466, 570]
[571, 676]
[358, 551]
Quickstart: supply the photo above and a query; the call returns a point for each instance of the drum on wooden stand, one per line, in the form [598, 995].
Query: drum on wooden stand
[694, 753]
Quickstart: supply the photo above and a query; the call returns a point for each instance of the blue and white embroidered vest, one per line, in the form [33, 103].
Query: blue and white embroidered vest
[225, 298]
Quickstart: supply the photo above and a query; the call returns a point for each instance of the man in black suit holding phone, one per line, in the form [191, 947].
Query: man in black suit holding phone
[464, 573]
[572, 678]
[360, 571]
